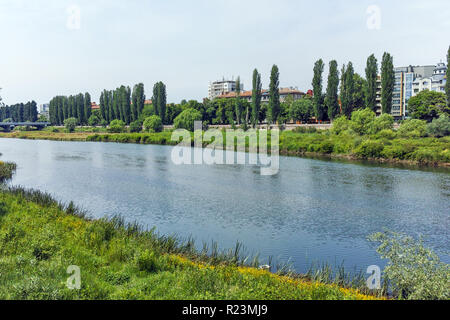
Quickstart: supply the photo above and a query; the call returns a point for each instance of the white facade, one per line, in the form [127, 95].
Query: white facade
[218, 88]
[434, 83]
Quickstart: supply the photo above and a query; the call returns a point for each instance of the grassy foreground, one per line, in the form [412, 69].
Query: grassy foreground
[40, 239]
[387, 148]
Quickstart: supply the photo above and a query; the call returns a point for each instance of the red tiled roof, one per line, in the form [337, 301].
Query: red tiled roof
[94, 106]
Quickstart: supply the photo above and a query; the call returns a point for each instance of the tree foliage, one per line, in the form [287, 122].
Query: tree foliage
[387, 82]
[274, 94]
[318, 98]
[256, 97]
[331, 97]
[428, 105]
[371, 78]
[186, 119]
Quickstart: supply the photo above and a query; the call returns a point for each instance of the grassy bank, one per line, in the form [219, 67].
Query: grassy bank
[40, 239]
[387, 147]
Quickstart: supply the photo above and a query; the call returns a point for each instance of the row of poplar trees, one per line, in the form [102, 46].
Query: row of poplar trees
[122, 104]
[74, 106]
[20, 112]
[352, 91]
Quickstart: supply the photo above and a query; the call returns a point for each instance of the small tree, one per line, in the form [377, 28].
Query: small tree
[362, 121]
[70, 124]
[439, 127]
[136, 126]
[93, 120]
[153, 124]
[301, 110]
[116, 126]
[186, 119]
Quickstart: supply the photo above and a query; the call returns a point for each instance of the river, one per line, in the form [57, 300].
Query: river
[311, 211]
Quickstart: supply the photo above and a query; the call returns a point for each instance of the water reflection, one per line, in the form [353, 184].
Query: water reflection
[311, 210]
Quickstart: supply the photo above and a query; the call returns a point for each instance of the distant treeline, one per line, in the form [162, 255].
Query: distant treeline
[20, 112]
[62, 108]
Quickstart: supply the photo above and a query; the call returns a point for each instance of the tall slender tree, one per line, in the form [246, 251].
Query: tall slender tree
[331, 97]
[256, 97]
[387, 82]
[87, 107]
[274, 94]
[371, 78]
[159, 100]
[138, 99]
[447, 85]
[318, 98]
[349, 90]
[238, 104]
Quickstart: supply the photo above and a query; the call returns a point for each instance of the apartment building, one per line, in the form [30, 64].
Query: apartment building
[436, 82]
[221, 87]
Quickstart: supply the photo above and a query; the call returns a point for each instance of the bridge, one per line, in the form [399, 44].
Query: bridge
[8, 126]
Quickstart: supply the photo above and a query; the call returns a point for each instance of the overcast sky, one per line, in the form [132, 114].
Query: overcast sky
[44, 51]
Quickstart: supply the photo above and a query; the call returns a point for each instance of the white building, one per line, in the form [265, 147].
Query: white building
[434, 83]
[221, 87]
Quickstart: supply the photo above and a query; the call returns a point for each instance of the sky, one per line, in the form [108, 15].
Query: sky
[58, 47]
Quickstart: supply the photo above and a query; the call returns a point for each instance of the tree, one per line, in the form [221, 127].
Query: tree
[70, 124]
[159, 99]
[186, 119]
[116, 126]
[238, 104]
[348, 90]
[301, 110]
[318, 99]
[359, 94]
[371, 78]
[428, 105]
[331, 97]
[274, 94]
[256, 97]
[447, 85]
[138, 98]
[153, 124]
[87, 107]
[387, 82]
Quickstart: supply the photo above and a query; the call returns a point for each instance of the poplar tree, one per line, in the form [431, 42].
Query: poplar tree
[371, 78]
[80, 108]
[447, 85]
[138, 99]
[387, 82]
[256, 97]
[87, 107]
[238, 104]
[274, 94]
[319, 108]
[349, 90]
[331, 97]
[159, 100]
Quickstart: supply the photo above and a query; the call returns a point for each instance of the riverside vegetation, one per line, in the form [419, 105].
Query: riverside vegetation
[40, 238]
[363, 136]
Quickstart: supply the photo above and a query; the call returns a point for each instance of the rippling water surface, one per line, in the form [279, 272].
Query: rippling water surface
[311, 211]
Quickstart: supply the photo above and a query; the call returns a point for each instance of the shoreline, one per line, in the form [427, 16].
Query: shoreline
[102, 137]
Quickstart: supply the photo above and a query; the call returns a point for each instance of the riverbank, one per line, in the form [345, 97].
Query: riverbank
[389, 149]
[41, 238]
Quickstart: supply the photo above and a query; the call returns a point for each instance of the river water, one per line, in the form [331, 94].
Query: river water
[312, 211]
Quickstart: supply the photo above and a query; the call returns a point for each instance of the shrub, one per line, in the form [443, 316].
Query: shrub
[370, 149]
[413, 271]
[70, 124]
[116, 126]
[386, 134]
[362, 121]
[104, 123]
[439, 127]
[147, 261]
[153, 124]
[326, 147]
[340, 124]
[413, 128]
[383, 122]
[186, 119]
[136, 126]
[93, 120]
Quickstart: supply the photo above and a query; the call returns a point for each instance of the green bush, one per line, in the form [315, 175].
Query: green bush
[136, 126]
[439, 127]
[386, 134]
[70, 124]
[413, 128]
[413, 271]
[153, 124]
[362, 121]
[186, 119]
[340, 125]
[383, 122]
[370, 149]
[93, 120]
[116, 126]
